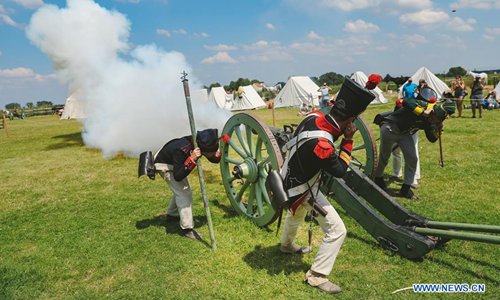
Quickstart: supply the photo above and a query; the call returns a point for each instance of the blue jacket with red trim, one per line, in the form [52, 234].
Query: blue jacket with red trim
[318, 153]
[177, 153]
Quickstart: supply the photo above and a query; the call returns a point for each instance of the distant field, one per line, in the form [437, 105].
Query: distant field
[73, 225]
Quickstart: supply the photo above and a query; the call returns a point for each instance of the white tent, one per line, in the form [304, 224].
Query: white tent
[249, 99]
[361, 78]
[497, 90]
[432, 81]
[482, 75]
[199, 96]
[73, 109]
[221, 98]
[298, 90]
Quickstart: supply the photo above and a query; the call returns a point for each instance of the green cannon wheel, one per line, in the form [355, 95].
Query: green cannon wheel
[364, 152]
[247, 157]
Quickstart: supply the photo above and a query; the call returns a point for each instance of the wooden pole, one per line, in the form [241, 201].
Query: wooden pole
[274, 118]
[441, 160]
[200, 170]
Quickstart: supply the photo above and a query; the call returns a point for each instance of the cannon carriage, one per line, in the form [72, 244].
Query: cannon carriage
[254, 149]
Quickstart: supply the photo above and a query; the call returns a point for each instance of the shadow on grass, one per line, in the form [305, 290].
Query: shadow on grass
[462, 269]
[171, 225]
[228, 210]
[12, 281]
[66, 140]
[275, 262]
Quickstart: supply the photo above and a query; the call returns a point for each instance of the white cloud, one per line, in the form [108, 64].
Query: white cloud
[348, 5]
[163, 32]
[270, 26]
[360, 26]
[451, 41]
[492, 31]
[24, 73]
[8, 20]
[314, 36]
[201, 34]
[424, 17]
[414, 40]
[180, 31]
[459, 24]
[219, 57]
[418, 4]
[488, 37]
[4, 17]
[29, 3]
[479, 4]
[220, 47]
[259, 45]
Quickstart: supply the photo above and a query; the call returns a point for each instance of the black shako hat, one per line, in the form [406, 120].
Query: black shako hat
[352, 99]
[208, 140]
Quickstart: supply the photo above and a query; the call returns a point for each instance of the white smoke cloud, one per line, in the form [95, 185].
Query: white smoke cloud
[133, 97]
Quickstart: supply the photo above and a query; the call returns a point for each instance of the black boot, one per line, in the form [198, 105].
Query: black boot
[380, 182]
[406, 192]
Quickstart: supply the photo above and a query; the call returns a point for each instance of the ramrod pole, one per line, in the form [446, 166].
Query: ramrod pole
[200, 170]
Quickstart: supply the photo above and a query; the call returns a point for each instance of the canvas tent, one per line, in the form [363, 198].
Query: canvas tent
[298, 90]
[200, 96]
[482, 75]
[221, 98]
[432, 81]
[249, 99]
[361, 79]
[497, 90]
[73, 109]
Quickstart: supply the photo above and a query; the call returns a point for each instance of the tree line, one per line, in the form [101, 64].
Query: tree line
[332, 79]
[15, 105]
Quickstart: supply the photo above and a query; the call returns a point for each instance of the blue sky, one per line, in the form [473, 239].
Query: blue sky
[271, 40]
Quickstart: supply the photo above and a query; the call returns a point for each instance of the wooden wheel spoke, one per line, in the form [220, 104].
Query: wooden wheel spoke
[262, 186]
[251, 198]
[258, 150]
[258, 195]
[233, 161]
[248, 132]
[358, 148]
[241, 191]
[237, 149]
[242, 141]
[263, 162]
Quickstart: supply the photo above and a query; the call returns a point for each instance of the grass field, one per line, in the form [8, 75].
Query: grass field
[73, 225]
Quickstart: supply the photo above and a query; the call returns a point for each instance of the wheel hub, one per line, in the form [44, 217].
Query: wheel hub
[248, 169]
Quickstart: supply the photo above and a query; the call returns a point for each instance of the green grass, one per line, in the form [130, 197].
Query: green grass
[73, 225]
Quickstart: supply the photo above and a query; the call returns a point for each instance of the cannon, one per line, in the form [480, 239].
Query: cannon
[253, 150]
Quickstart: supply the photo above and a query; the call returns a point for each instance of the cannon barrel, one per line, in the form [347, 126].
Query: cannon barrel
[463, 226]
[469, 236]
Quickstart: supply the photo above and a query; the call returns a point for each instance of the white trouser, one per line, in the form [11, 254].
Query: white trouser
[389, 135]
[332, 226]
[182, 200]
[397, 165]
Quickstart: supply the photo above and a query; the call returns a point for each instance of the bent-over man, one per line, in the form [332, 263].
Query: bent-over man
[175, 160]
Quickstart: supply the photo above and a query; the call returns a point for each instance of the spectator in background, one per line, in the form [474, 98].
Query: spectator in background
[409, 89]
[325, 95]
[476, 95]
[421, 85]
[458, 88]
[491, 100]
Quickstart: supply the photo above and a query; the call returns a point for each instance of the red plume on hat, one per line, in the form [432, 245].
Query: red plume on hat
[373, 80]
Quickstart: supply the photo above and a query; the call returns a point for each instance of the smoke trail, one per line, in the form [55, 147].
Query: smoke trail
[133, 96]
